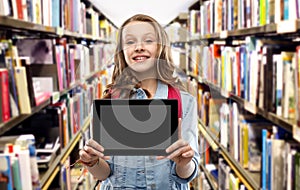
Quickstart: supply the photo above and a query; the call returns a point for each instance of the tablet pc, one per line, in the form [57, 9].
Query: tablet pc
[135, 127]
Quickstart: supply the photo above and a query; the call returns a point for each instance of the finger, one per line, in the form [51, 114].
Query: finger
[188, 154]
[178, 152]
[92, 151]
[179, 128]
[160, 157]
[106, 157]
[176, 145]
[84, 156]
[95, 145]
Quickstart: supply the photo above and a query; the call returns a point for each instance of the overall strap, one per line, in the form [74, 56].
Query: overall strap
[174, 93]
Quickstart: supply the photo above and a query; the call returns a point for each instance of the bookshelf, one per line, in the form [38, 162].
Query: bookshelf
[25, 27]
[239, 31]
[6, 126]
[91, 41]
[287, 124]
[19, 119]
[292, 27]
[48, 177]
[209, 177]
[250, 181]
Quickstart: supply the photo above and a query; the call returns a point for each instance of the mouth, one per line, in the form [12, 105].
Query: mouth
[140, 58]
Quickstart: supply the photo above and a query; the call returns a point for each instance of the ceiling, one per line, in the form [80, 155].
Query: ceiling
[164, 11]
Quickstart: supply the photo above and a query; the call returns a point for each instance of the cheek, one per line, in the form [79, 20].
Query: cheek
[153, 50]
[127, 52]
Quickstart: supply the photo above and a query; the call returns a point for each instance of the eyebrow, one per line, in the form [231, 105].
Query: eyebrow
[149, 33]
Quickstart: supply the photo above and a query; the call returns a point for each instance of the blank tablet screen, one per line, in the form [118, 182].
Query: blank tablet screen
[135, 127]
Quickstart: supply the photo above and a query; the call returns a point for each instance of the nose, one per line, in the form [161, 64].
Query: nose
[139, 47]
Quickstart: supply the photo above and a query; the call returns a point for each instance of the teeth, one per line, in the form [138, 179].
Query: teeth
[140, 58]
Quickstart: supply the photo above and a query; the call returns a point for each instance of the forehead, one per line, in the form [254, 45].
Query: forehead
[137, 28]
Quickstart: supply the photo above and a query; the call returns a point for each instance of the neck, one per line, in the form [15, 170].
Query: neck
[150, 85]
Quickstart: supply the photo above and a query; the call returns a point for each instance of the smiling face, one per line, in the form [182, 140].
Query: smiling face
[140, 47]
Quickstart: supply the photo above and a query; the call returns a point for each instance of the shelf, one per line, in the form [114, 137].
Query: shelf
[208, 137]
[242, 174]
[287, 124]
[245, 177]
[281, 122]
[209, 177]
[79, 82]
[48, 177]
[290, 26]
[11, 23]
[5, 126]
[248, 31]
[21, 26]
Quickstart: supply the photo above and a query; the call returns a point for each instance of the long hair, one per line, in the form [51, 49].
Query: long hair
[165, 66]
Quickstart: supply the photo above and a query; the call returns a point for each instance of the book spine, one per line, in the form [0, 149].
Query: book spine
[6, 180]
[22, 89]
[5, 95]
[56, 13]
[19, 9]
[264, 160]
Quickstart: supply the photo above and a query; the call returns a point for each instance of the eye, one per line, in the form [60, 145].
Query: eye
[129, 42]
[149, 41]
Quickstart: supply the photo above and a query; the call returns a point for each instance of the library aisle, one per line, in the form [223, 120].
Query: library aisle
[239, 59]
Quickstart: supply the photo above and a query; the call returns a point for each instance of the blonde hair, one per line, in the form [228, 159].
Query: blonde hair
[165, 67]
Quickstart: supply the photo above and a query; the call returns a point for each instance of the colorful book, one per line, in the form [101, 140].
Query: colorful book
[5, 100]
[6, 180]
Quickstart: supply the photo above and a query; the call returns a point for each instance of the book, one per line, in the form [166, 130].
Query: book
[277, 172]
[5, 99]
[25, 172]
[6, 180]
[14, 99]
[255, 143]
[22, 90]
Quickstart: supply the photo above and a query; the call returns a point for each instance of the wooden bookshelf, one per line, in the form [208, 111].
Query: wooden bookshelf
[5, 126]
[287, 124]
[52, 171]
[282, 122]
[213, 183]
[210, 139]
[12, 28]
[20, 26]
[246, 177]
[258, 30]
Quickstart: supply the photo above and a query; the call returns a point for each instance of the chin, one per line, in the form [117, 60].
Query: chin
[144, 73]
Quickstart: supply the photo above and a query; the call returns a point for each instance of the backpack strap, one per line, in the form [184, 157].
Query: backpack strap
[174, 93]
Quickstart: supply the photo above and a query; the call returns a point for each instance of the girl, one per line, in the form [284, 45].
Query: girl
[144, 69]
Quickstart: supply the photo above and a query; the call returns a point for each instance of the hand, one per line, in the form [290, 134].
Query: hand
[180, 151]
[91, 153]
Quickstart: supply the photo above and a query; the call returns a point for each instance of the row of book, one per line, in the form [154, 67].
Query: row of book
[227, 179]
[18, 163]
[263, 72]
[32, 69]
[61, 121]
[203, 182]
[72, 15]
[215, 16]
[220, 174]
[76, 176]
[177, 32]
[257, 144]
